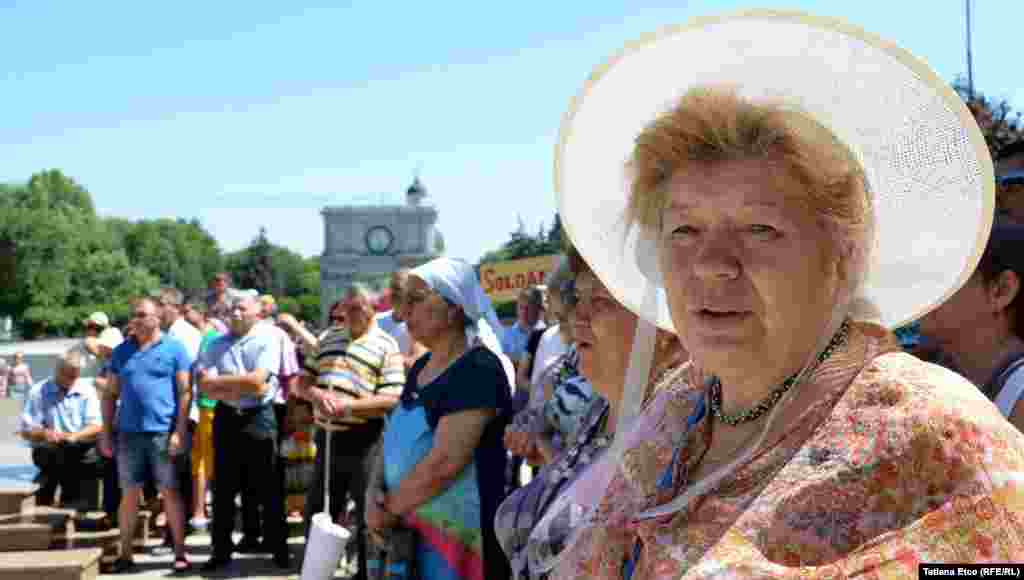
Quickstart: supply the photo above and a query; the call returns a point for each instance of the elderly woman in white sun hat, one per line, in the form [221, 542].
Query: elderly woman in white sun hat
[786, 199]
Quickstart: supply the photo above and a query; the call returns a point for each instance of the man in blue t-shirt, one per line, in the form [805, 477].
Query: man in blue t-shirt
[151, 377]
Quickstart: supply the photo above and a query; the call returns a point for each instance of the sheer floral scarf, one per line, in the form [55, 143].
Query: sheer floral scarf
[897, 462]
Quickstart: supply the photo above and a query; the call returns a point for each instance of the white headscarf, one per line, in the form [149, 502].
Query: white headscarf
[456, 281]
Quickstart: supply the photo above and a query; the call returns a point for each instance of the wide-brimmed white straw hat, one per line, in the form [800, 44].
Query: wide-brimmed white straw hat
[925, 159]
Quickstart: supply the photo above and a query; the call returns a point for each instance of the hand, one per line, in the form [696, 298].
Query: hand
[224, 393]
[106, 447]
[288, 320]
[377, 517]
[204, 378]
[518, 443]
[537, 455]
[53, 437]
[174, 444]
[328, 403]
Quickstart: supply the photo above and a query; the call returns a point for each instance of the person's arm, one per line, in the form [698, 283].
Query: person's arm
[31, 428]
[183, 379]
[108, 408]
[86, 435]
[93, 422]
[372, 406]
[304, 387]
[227, 386]
[455, 440]
[305, 336]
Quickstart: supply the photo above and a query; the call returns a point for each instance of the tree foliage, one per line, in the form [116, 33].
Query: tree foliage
[522, 244]
[61, 259]
[181, 253]
[273, 269]
[996, 117]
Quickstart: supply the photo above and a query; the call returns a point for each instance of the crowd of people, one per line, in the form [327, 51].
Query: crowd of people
[729, 399]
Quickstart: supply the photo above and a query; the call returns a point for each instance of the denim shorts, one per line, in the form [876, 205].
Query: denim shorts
[141, 456]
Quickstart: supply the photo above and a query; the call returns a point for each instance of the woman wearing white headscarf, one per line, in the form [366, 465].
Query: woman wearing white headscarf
[790, 196]
[443, 458]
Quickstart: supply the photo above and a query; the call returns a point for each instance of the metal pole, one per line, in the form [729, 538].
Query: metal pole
[970, 60]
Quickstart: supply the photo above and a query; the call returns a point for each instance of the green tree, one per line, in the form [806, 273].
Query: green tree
[107, 281]
[521, 244]
[182, 253]
[998, 120]
[52, 190]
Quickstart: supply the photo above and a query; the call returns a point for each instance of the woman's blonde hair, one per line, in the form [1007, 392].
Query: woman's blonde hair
[711, 125]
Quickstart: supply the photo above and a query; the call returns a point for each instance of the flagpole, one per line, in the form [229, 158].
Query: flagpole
[970, 59]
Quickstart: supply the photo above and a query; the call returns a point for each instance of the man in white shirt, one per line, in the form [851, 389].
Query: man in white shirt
[172, 319]
[529, 317]
[172, 304]
[392, 323]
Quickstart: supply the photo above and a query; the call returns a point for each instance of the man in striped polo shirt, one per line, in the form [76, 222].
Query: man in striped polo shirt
[353, 381]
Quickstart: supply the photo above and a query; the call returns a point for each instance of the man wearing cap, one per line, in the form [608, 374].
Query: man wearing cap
[240, 370]
[100, 341]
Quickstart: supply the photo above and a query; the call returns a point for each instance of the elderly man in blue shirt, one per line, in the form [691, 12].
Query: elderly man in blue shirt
[240, 370]
[61, 420]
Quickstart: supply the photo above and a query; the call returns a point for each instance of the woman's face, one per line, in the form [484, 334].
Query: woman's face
[428, 316]
[604, 336]
[974, 308]
[749, 271]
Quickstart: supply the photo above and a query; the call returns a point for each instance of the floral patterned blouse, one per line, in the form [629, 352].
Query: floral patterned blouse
[899, 462]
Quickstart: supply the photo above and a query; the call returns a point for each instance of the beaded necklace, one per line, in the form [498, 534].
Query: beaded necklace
[755, 412]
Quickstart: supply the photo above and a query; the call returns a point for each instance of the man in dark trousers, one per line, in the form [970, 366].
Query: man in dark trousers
[240, 371]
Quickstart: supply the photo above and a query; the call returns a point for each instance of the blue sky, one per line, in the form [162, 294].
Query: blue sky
[250, 114]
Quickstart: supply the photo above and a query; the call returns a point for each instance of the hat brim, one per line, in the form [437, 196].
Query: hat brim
[924, 156]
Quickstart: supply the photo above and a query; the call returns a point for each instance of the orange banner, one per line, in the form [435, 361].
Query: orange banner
[503, 281]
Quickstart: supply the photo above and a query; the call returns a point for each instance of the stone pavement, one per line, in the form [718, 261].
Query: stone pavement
[16, 471]
[155, 562]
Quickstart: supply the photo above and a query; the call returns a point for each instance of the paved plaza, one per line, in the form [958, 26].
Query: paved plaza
[16, 470]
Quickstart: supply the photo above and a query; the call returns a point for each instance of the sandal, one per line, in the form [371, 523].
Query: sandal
[181, 565]
[122, 565]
